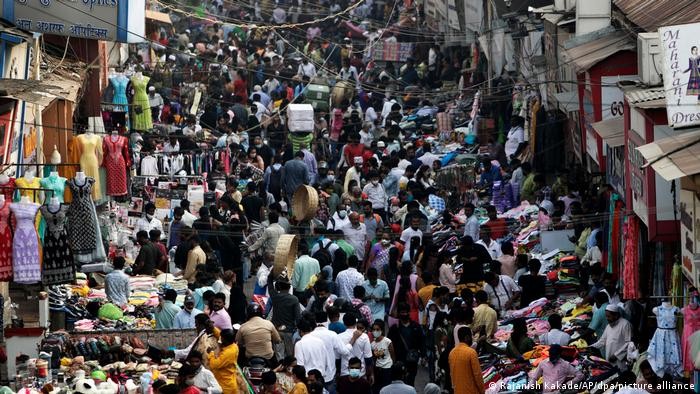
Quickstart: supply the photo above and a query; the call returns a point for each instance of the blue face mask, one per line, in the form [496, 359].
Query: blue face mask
[355, 373]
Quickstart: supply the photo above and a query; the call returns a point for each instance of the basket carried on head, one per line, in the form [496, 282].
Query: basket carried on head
[286, 254]
[305, 203]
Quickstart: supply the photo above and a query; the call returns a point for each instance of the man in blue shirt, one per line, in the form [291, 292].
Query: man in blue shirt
[490, 173]
[185, 318]
[377, 294]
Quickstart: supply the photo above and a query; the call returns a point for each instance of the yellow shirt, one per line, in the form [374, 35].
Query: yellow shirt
[299, 388]
[225, 368]
[486, 316]
[465, 370]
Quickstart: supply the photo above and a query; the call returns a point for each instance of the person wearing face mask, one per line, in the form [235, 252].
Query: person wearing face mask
[224, 363]
[353, 173]
[379, 253]
[323, 178]
[376, 195]
[383, 351]
[185, 318]
[263, 150]
[376, 294]
[555, 372]
[407, 337]
[339, 219]
[218, 314]
[204, 379]
[354, 381]
[148, 222]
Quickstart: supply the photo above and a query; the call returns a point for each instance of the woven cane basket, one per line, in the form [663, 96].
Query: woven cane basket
[305, 203]
[286, 254]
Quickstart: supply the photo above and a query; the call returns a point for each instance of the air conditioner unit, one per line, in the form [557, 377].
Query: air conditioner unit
[649, 59]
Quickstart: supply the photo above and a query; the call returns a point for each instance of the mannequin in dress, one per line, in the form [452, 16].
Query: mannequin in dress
[116, 161]
[90, 149]
[29, 181]
[664, 352]
[119, 83]
[691, 325]
[56, 183]
[26, 260]
[141, 116]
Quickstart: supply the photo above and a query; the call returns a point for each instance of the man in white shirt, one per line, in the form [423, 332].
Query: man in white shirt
[409, 233]
[310, 351]
[492, 246]
[204, 380]
[260, 108]
[502, 291]
[615, 338]
[555, 336]
[361, 347]
[356, 235]
[172, 145]
[515, 139]
[148, 222]
[306, 69]
[335, 346]
[155, 101]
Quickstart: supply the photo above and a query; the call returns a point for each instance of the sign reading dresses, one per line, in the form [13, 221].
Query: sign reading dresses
[107, 20]
[681, 58]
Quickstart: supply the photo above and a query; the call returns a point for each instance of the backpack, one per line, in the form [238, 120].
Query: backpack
[275, 186]
[322, 254]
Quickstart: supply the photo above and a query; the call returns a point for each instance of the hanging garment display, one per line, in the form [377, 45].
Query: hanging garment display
[116, 161]
[141, 110]
[691, 324]
[119, 83]
[26, 265]
[81, 219]
[90, 146]
[664, 352]
[5, 243]
[55, 183]
[58, 265]
[630, 273]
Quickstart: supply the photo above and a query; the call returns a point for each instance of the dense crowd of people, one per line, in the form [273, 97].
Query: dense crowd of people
[373, 301]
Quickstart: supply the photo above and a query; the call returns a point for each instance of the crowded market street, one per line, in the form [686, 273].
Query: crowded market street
[349, 197]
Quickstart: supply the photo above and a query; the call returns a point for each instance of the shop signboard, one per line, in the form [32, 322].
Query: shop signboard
[106, 20]
[612, 97]
[392, 51]
[681, 72]
[686, 209]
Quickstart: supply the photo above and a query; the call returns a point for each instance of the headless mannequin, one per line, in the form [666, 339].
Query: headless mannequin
[2, 199]
[114, 136]
[138, 75]
[25, 200]
[55, 156]
[80, 178]
[54, 204]
[4, 179]
[53, 174]
[29, 175]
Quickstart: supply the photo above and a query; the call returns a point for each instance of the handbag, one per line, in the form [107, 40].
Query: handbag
[138, 109]
[412, 355]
